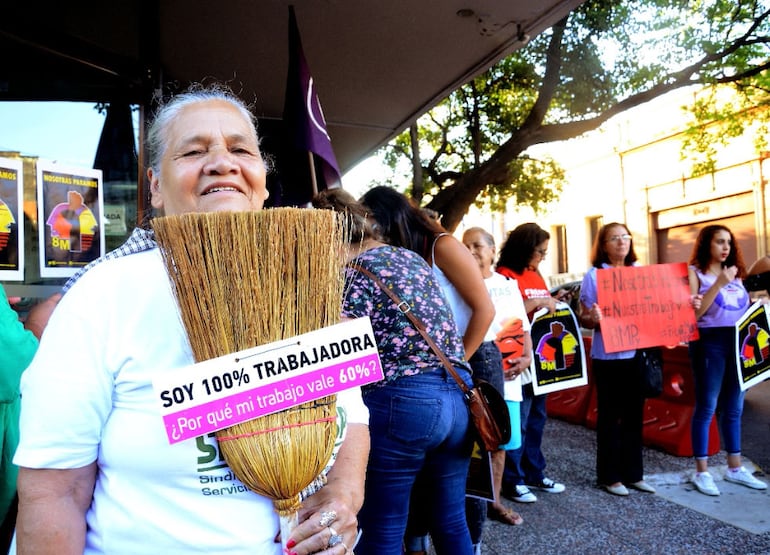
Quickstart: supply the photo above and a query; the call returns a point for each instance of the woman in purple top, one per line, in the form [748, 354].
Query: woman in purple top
[418, 416]
[716, 269]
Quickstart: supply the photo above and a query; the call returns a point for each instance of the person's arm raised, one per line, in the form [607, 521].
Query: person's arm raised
[52, 510]
[724, 277]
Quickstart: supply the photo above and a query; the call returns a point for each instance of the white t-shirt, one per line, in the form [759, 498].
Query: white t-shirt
[506, 297]
[87, 396]
[508, 303]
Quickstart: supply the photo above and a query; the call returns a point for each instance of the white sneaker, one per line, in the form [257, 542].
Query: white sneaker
[522, 494]
[704, 483]
[546, 484]
[744, 477]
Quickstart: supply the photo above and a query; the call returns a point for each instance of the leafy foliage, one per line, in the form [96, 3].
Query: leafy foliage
[605, 57]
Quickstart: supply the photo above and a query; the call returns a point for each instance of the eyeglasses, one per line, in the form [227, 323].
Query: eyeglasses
[542, 252]
[616, 238]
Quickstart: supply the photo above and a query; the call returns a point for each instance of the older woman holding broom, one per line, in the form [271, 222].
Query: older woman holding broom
[97, 472]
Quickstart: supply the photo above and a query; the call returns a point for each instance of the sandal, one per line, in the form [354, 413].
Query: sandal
[506, 516]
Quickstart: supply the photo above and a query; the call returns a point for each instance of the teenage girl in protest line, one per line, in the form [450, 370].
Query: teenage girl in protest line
[716, 269]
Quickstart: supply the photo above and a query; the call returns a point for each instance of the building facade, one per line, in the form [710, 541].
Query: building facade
[631, 171]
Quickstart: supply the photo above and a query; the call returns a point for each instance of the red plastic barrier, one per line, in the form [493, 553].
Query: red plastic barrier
[667, 426]
[591, 410]
[570, 404]
[666, 418]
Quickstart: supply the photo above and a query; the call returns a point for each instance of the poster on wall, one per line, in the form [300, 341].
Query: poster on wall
[70, 207]
[645, 306]
[11, 220]
[753, 346]
[558, 353]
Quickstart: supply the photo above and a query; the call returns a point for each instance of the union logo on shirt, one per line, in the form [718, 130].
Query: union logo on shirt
[732, 297]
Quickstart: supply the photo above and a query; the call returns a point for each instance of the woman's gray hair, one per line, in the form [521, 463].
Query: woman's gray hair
[488, 237]
[168, 111]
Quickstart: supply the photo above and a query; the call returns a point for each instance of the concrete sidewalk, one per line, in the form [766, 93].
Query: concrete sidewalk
[586, 520]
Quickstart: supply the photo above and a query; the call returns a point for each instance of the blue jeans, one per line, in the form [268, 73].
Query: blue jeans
[716, 388]
[418, 425]
[487, 365]
[526, 465]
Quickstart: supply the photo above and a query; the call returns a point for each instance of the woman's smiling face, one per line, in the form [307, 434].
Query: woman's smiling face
[211, 162]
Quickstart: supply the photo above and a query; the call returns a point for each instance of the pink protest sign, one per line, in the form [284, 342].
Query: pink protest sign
[645, 306]
[221, 392]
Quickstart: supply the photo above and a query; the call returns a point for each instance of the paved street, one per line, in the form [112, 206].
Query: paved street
[586, 520]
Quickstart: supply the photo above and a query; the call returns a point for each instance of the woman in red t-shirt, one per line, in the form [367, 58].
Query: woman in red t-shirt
[524, 249]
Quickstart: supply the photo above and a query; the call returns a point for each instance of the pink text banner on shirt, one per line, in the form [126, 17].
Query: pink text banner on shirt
[645, 306]
[220, 392]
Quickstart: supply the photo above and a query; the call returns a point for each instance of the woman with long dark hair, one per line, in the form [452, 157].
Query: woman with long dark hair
[716, 269]
[524, 249]
[419, 424]
[404, 224]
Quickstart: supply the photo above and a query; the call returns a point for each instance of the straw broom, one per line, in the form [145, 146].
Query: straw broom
[243, 279]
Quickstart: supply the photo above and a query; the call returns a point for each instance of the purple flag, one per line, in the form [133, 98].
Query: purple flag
[302, 112]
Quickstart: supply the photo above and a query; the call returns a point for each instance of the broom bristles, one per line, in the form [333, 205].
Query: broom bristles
[243, 279]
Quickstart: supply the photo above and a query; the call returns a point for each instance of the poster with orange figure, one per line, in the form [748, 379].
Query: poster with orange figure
[70, 207]
[645, 306]
[510, 341]
[753, 346]
[11, 220]
[558, 354]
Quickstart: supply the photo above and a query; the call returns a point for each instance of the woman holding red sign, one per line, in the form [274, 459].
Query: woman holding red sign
[716, 269]
[620, 402]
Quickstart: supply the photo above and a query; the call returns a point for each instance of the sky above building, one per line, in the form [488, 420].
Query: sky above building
[67, 132]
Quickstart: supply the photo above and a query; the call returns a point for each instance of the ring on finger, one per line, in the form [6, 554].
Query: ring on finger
[335, 538]
[327, 517]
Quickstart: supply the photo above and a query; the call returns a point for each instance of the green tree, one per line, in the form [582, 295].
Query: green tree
[605, 57]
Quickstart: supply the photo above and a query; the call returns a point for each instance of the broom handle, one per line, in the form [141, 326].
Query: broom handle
[405, 309]
[288, 524]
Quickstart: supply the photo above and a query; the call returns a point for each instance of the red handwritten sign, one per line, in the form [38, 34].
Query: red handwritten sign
[645, 306]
